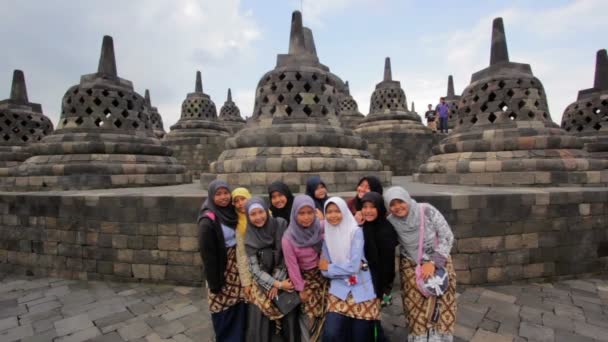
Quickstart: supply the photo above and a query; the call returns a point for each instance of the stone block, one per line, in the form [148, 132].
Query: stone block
[122, 269]
[168, 243]
[188, 244]
[141, 271]
[167, 229]
[470, 245]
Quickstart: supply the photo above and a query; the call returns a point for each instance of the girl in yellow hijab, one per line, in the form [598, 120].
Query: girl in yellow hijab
[239, 200]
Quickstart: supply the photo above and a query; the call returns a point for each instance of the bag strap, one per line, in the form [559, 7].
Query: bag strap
[421, 234]
[210, 214]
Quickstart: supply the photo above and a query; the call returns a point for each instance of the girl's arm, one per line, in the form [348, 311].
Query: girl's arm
[291, 261]
[340, 270]
[242, 262]
[264, 279]
[445, 237]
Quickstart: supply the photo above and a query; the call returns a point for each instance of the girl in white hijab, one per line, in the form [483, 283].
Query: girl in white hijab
[353, 307]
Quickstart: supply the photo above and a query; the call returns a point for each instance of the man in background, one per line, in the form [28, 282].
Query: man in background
[430, 118]
[442, 111]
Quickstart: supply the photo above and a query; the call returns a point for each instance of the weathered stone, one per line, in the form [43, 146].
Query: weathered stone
[104, 133]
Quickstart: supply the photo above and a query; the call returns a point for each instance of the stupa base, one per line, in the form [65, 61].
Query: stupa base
[257, 182]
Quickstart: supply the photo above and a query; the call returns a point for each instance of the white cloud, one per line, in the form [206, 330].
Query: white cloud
[541, 39]
[159, 45]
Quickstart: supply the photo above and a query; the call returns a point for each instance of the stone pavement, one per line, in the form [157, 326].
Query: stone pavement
[49, 309]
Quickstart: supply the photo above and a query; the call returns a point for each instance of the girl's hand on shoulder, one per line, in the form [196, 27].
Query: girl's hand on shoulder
[319, 214]
[359, 218]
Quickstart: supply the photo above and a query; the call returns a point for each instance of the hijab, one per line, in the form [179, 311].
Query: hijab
[311, 185]
[380, 242]
[338, 238]
[407, 228]
[267, 236]
[225, 215]
[412, 220]
[242, 217]
[282, 188]
[374, 185]
[304, 236]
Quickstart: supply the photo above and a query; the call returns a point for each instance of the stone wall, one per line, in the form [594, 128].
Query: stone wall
[501, 235]
[531, 236]
[197, 153]
[101, 237]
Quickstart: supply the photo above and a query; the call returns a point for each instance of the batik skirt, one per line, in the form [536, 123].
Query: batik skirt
[429, 319]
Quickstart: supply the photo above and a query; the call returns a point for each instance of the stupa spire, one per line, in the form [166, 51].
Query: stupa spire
[499, 52]
[107, 60]
[198, 87]
[388, 74]
[601, 70]
[297, 41]
[18, 88]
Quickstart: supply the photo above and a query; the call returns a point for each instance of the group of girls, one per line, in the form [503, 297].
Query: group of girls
[335, 258]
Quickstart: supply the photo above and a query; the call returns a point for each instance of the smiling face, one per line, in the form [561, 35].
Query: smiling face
[278, 200]
[399, 208]
[333, 215]
[258, 217]
[369, 212]
[239, 203]
[320, 192]
[222, 197]
[363, 188]
[305, 216]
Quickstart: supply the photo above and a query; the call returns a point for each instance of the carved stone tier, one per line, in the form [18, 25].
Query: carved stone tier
[198, 138]
[394, 134]
[505, 136]
[295, 131]
[230, 115]
[104, 139]
[587, 117]
[21, 123]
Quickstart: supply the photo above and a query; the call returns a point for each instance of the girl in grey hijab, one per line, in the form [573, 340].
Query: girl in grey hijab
[266, 264]
[429, 318]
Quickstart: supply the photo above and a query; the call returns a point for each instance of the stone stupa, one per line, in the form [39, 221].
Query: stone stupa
[104, 139]
[198, 138]
[452, 100]
[295, 132]
[155, 119]
[505, 136]
[587, 117]
[348, 109]
[230, 115]
[394, 134]
[21, 123]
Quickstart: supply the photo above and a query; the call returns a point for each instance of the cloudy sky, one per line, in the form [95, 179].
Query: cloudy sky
[161, 43]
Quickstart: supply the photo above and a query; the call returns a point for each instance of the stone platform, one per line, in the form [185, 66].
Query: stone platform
[51, 309]
[149, 234]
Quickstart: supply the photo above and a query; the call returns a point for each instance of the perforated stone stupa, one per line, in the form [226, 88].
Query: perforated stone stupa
[394, 134]
[452, 100]
[155, 119]
[198, 137]
[230, 115]
[505, 136]
[587, 117]
[21, 123]
[348, 109]
[104, 139]
[295, 132]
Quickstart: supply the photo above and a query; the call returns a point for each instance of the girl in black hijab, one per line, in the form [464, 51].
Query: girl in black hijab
[281, 200]
[365, 185]
[317, 190]
[380, 242]
[217, 243]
